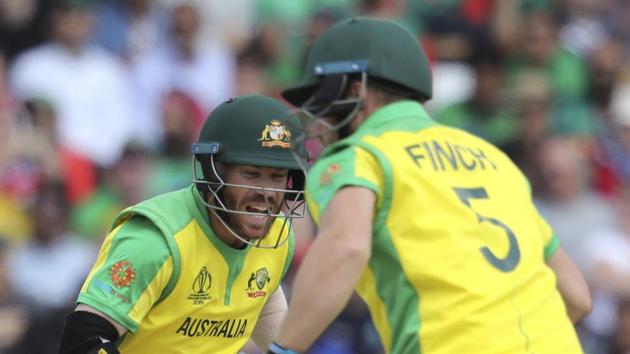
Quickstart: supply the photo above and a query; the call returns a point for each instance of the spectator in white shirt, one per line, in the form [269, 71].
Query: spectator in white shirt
[86, 85]
[195, 66]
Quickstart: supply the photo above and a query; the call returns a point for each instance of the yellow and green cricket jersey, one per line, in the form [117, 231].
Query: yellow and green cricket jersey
[164, 275]
[459, 250]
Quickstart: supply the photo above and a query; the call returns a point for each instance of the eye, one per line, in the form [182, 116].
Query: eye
[279, 176]
[250, 174]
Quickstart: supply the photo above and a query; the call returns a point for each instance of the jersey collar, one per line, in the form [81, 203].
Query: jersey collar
[391, 112]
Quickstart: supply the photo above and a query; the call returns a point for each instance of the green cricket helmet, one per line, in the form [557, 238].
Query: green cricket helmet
[248, 130]
[380, 50]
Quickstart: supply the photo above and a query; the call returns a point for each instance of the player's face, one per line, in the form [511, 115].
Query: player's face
[320, 135]
[253, 200]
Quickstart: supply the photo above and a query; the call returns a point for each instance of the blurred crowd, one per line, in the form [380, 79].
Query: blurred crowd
[100, 101]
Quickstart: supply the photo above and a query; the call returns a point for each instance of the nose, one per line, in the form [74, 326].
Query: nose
[263, 189]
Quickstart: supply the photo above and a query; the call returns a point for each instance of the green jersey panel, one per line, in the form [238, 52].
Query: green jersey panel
[133, 261]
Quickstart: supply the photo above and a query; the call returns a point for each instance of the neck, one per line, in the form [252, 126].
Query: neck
[75, 49]
[371, 103]
[186, 50]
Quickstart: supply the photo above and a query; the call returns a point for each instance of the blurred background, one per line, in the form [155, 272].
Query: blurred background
[100, 100]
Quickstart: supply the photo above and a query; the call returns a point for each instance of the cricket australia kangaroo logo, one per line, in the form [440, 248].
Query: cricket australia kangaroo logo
[201, 285]
[260, 278]
[275, 134]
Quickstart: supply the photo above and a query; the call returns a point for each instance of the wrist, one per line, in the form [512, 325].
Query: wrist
[276, 348]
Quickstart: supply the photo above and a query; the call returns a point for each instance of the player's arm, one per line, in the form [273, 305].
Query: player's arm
[331, 267]
[571, 285]
[270, 319]
[101, 317]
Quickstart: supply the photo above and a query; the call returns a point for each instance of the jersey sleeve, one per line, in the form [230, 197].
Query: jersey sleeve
[133, 267]
[550, 240]
[353, 166]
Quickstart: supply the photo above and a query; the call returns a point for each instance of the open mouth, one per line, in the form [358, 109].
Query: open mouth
[259, 209]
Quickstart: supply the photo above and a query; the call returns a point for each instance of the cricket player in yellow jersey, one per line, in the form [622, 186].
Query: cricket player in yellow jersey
[433, 227]
[198, 270]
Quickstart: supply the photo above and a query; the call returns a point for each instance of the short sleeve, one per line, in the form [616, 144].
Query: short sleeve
[133, 267]
[550, 240]
[353, 166]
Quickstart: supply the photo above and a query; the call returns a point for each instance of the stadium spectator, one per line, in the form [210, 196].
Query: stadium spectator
[130, 28]
[23, 24]
[48, 270]
[538, 47]
[85, 84]
[565, 199]
[621, 338]
[607, 255]
[121, 186]
[169, 169]
[13, 316]
[202, 69]
[42, 273]
[615, 142]
[484, 114]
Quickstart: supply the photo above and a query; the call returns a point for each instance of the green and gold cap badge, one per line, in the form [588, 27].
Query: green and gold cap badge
[276, 134]
[252, 130]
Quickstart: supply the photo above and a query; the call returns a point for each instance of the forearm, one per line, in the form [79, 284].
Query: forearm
[571, 286]
[323, 285]
[270, 319]
[578, 306]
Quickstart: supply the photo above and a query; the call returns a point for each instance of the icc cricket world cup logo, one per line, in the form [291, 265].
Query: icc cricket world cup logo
[201, 285]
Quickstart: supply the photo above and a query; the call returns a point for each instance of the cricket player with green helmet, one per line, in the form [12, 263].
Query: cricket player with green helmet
[198, 270]
[433, 227]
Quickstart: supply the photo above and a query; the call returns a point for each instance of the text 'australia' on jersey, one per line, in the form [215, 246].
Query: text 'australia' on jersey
[456, 220]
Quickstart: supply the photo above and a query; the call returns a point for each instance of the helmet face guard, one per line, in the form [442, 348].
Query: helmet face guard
[326, 114]
[209, 181]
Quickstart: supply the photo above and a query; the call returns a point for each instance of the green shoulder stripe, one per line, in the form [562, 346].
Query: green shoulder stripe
[170, 212]
[290, 252]
[551, 246]
[171, 245]
[403, 317]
